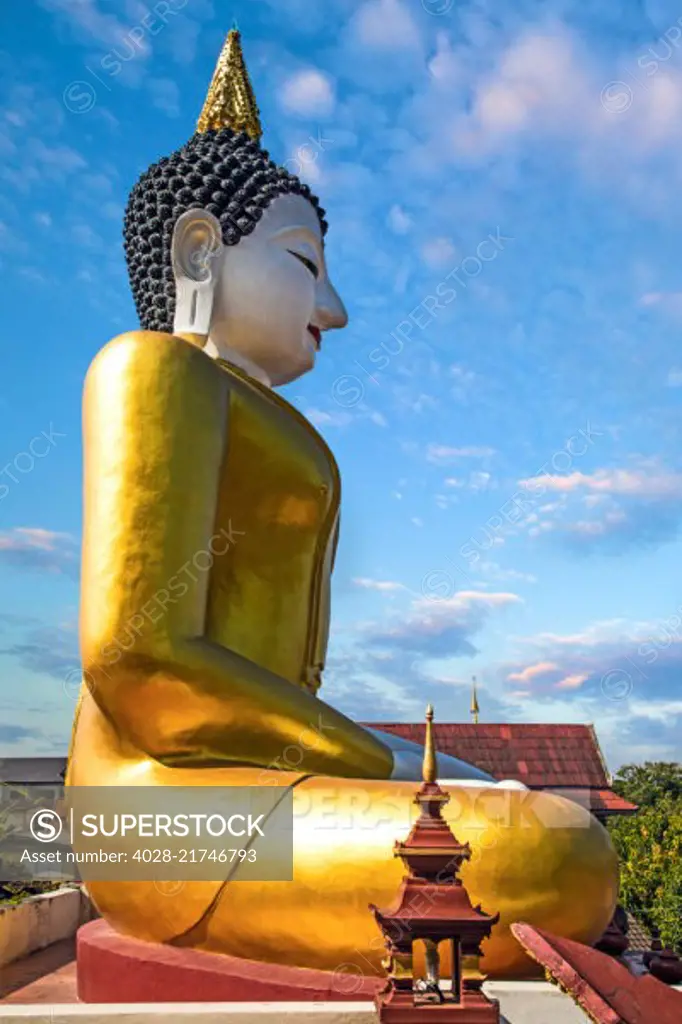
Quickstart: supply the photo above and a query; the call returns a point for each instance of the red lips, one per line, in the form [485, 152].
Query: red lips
[316, 333]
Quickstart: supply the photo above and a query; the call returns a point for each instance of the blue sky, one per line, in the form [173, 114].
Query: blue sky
[502, 183]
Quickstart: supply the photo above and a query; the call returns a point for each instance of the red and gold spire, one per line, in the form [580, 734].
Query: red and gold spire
[433, 905]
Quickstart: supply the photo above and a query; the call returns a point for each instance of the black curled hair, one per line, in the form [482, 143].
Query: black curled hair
[224, 172]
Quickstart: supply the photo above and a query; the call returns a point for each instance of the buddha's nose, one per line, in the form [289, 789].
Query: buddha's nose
[329, 309]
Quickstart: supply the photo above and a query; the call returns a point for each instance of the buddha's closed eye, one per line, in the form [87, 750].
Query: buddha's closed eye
[306, 263]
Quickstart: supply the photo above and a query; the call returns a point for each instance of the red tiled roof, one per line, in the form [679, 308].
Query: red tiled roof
[639, 938]
[541, 756]
[601, 801]
[609, 802]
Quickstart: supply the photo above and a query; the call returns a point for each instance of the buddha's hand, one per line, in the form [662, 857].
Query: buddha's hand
[408, 760]
[313, 680]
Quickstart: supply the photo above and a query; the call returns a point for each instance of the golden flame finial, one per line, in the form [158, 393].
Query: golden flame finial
[230, 101]
[429, 765]
[474, 709]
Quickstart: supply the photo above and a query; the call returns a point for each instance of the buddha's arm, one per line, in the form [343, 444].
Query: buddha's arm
[155, 429]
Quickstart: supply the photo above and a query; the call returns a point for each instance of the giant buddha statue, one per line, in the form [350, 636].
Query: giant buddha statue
[211, 517]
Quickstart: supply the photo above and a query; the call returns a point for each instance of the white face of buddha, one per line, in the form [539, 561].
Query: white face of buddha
[272, 298]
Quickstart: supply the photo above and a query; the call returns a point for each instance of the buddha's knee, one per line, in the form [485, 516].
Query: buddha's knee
[538, 858]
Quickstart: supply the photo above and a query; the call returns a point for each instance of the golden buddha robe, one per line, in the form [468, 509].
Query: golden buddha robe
[210, 526]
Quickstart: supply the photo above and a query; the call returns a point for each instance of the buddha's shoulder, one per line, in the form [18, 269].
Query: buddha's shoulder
[152, 354]
[149, 365]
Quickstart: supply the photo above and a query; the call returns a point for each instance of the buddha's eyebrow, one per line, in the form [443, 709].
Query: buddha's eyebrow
[303, 232]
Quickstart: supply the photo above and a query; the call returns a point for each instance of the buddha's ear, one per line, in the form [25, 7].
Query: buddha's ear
[196, 252]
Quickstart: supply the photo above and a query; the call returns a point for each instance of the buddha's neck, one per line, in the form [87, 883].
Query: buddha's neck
[228, 355]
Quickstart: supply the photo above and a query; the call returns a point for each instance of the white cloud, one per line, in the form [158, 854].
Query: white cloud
[440, 453]
[55, 159]
[88, 21]
[496, 572]
[31, 537]
[476, 481]
[546, 85]
[674, 379]
[641, 483]
[438, 252]
[37, 549]
[328, 419]
[536, 78]
[461, 375]
[382, 585]
[667, 302]
[479, 481]
[32, 274]
[572, 682]
[532, 672]
[83, 235]
[309, 93]
[444, 501]
[438, 626]
[386, 25]
[165, 95]
[399, 221]
[444, 67]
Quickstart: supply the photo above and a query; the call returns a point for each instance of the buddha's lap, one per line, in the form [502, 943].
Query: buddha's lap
[535, 857]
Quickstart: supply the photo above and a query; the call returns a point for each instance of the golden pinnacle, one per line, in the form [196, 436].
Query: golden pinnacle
[230, 101]
[474, 709]
[429, 766]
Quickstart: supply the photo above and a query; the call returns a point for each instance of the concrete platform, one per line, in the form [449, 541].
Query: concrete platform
[42, 989]
[245, 1013]
[189, 1013]
[522, 1002]
[45, 977]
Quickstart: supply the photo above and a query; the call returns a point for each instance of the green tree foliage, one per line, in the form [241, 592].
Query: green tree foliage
[647, 784]
[649, 845]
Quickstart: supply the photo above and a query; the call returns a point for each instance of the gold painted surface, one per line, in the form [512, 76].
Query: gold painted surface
[230, 101]
[547, 862]
[211, 519]
[200, 589]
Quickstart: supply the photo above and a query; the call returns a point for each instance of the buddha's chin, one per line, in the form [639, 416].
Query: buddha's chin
[285, 371]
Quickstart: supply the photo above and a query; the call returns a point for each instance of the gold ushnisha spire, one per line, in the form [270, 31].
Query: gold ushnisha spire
[230, 101]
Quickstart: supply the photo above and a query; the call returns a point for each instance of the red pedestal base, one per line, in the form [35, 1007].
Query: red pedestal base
[475, 1008]
[116, 969]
